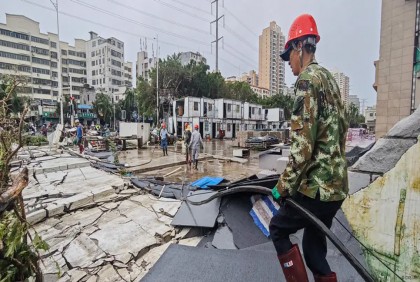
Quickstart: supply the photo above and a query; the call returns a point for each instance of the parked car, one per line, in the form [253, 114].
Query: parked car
[262, 142]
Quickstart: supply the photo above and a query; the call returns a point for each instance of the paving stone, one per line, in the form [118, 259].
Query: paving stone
[119, 237]
[123, 272]
[93, 278]
[82, 251]
[129, 191]
[80, 200]
[149, 259]
[82, 218]
[36, 216]
[108, 274]
[124, 258]
[53, 209]
[148, 220]
[110, 206]
[76, 275]
[90, 230]
[167, 207]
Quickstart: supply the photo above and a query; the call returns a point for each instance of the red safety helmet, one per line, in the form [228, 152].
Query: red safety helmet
[303, 26]
[196, 126]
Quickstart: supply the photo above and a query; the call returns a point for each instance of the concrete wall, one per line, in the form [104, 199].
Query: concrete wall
[395, 66]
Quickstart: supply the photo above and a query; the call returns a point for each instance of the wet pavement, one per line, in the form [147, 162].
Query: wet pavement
[152, 157]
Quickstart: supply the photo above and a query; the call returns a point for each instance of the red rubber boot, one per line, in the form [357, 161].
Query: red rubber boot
[293, 267]
[332, 277]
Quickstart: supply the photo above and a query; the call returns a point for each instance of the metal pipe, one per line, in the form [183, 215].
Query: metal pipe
[305, 213]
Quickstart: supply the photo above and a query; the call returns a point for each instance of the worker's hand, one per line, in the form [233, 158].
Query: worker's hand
[279, 195]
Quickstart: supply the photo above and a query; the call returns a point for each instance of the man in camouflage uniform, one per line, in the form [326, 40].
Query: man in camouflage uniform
[316, 175]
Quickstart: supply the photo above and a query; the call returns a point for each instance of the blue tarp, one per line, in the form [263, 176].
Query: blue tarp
[206, 181]
[84, 107]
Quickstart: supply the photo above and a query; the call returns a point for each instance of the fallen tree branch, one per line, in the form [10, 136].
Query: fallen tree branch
[13, 192]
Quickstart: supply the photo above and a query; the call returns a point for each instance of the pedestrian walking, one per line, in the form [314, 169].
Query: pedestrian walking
[164, 139]
[195, 144]
[316, 175]
[79, 136]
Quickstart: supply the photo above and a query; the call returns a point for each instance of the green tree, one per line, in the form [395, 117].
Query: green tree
[146, 98]
[279, 101]
[103, 107]
[355, 119]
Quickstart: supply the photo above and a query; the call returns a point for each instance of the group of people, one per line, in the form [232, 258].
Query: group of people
[192, 140]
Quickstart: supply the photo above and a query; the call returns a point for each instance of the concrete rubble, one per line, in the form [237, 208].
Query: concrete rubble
[97, 225]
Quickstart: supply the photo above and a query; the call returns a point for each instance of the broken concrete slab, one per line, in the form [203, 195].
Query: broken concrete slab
[82, 218]
[36, 216]
[130, 238]
[76, 275]
[148, 260]
[180, 261]
[408, 127]
[108, 274]
[384, 155]
[192, 242]
[202, 216]
[82, 252]
[166, 207]
[223, 239]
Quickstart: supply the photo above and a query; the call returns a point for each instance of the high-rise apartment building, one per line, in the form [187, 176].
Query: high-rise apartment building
[343, 82]
[397, 69]
[105, 63]
[271, 66]
[32, 55]
[144, 64]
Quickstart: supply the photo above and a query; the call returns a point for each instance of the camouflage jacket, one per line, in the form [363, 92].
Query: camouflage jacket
[318, 135]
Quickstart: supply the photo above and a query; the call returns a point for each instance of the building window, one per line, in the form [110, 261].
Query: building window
[14, 34]
[93, 43]
[14, 56]
[53, 44]
[54, 55]
[237, 108]
[41, 71]
[371, 114]
[228, 127]
[40, 61]
[40, 40]
[229, 107]
[259, 111]
[14, 45]
[253, 110]
[53, 64]
[195, 106]
[40, 51]
[206, 126]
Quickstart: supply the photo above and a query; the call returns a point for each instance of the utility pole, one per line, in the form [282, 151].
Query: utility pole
[157, 80]
[216, 21]
[72, 105]
[60, 79]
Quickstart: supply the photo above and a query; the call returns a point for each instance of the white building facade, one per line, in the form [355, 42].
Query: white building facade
[105, 63]
[215, 116]
[27, 52]
[187, 57]
[144, 65]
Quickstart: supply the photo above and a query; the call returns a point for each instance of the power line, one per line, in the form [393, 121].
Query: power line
[136, 35]
[136, 22]
[248, 44]
[236, 50]
[192, 7]
[180, 10]
[105, 26]
[157, 17]
[216, 21]
[239, 58]
[239, 21]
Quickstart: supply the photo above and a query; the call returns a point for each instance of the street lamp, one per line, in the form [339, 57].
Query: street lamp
[60, 79]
